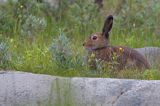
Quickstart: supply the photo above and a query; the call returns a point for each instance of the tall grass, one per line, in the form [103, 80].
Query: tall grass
[36, 43]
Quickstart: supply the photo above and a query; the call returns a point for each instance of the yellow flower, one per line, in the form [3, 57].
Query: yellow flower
[121, 49]
[89, 60]
[93, 55]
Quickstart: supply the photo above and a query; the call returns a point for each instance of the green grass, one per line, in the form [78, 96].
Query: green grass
[30, 42]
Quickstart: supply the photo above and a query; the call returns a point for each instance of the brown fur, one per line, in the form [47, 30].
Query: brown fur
[126, 58]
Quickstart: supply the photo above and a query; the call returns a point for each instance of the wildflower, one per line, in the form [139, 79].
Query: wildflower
[89, 60]
[121, 49]
[93, 55]
[21, 6]
[113, 57]
[46, 50]
[11, 40]
[134, 25]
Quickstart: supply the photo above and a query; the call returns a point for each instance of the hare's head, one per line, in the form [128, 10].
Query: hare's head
[100, 39]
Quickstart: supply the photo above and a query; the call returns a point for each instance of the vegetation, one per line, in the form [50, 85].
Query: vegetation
[38, 38]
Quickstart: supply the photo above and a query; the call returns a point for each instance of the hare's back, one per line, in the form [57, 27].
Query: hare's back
[126, 57]
[133, 58]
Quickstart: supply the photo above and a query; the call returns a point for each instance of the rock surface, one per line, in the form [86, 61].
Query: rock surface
[152, 54]
[27, 89]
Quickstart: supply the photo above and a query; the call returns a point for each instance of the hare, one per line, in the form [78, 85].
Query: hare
[99, 48]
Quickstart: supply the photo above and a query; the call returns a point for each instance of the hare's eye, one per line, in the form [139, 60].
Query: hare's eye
[94, 37]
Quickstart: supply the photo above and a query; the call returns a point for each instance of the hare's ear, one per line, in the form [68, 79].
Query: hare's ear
[107, 26]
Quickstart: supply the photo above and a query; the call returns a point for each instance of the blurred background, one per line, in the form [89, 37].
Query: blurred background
[46, 36]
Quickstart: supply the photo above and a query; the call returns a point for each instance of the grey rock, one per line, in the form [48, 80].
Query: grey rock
[27, 89]
[152, 54]
[18, 88]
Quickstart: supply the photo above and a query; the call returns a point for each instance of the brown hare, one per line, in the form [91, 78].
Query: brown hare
[98, 47]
